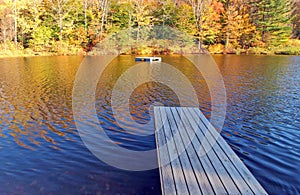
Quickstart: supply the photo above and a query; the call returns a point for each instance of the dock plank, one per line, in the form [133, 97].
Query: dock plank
[229, 174]
[167, 181]
[224, 184]
[196, 159]
[192, 183]
[199, 172]
[244, 171]
[179, 177]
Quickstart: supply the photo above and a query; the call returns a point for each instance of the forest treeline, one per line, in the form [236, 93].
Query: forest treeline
[65, 27]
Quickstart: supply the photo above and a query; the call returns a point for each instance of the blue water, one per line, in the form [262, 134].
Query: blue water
[42, 152]
[263, 123]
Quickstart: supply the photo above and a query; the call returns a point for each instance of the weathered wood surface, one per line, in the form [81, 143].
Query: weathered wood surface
[197, 160]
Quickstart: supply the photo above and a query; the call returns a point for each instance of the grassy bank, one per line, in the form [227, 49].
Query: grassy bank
[55, 49]
[291, 48]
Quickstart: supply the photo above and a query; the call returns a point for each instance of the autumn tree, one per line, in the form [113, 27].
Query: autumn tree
[199, 8]
[6, 21]
[165, 13]
[96, 16]
[15, 14]
[119, 17]
[60, 11]
[70, 26]
[185, 20]
[210, 23]
[141, 16]
[237, 27]
[9, 9]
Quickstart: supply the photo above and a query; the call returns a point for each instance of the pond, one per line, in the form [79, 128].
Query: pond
[41, 150]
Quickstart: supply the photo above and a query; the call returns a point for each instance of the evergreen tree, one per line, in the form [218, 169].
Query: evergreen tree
[296, 21]
[273, 20]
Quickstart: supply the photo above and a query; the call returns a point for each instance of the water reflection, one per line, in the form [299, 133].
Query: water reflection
[262, 124]
[41, 151]
[140, 102]
[35, 97]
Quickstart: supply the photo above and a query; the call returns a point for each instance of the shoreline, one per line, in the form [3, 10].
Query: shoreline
[84, 55]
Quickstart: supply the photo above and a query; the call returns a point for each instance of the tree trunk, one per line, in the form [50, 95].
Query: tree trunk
[15, 25]
[227, 42]
[60, 19]
[104, 7]
[129, 26]
[4, 38]
[199, 45]
[200, 40]
[85, 16]
[138, 33]
[60, 28]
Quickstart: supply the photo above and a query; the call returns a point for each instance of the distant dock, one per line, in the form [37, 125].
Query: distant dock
[148, 59]
[206, 164]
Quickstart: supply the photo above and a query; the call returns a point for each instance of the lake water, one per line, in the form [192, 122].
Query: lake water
[41, 150]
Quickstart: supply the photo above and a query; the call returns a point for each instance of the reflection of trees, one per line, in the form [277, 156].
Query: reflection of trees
[36, 108]
[147, 40]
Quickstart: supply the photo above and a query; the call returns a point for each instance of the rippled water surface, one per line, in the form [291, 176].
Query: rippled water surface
[41, 150]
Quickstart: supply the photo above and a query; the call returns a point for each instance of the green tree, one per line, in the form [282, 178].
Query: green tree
[41, 37]
[273, 20]
[184, 19]
[62, 13]
[296, 21]
[165, 13]
[119, 17]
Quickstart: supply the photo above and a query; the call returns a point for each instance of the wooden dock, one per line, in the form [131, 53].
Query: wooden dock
[201, 161]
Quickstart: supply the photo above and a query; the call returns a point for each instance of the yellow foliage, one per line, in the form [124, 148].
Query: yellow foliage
[216, 49]
[210, 25]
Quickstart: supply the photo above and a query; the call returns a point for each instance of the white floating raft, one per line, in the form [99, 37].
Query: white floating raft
[148, 59]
